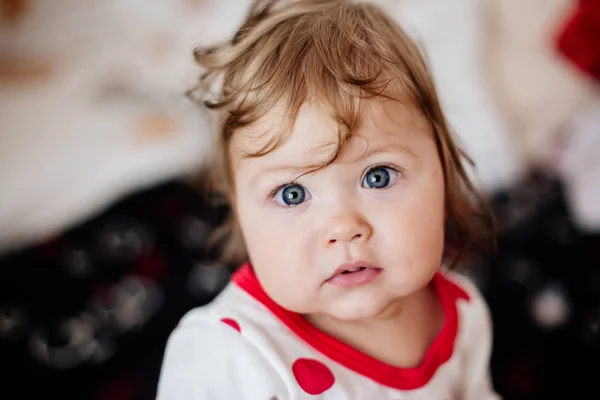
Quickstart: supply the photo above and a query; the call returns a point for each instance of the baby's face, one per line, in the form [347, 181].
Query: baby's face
[355, 237]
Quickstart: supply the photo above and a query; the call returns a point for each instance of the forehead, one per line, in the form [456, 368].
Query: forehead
[314, 135]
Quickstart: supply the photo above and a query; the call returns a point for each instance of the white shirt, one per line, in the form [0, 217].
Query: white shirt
[245, 346]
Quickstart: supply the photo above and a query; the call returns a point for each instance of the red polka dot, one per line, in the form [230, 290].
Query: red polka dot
[312, 375]
[232, 323]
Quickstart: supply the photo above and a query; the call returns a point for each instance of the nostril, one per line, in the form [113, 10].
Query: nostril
[332, 241]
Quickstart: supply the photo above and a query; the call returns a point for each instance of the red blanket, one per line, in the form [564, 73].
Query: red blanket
[579, 39]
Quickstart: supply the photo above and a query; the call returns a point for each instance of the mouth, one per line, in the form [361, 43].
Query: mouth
[354, 274]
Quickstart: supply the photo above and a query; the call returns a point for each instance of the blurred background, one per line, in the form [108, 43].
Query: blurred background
[103, 229]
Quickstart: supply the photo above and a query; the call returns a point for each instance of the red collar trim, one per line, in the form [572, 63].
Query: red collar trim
[438, 353]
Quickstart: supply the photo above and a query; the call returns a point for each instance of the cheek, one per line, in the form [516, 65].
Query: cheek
[417, 230]
[278, 249]
[257, 229]
[428, 213]
[270, 229]
[416, 226]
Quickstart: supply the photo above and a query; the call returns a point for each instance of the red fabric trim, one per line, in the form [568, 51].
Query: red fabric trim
[438, 353]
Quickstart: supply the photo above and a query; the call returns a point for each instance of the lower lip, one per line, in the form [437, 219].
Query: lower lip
[357, 278]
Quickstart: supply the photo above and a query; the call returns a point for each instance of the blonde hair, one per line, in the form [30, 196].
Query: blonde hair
[339, 52]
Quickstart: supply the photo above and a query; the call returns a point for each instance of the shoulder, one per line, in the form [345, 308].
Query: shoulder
[475, 338]
[475, 302]
[475, 322]
[473, 311]
[207, 356]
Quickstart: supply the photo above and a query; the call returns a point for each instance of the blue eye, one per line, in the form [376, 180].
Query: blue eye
[291, 195]
[379, 177]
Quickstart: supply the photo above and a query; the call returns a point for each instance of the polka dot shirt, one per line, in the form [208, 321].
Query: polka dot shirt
[244, 346]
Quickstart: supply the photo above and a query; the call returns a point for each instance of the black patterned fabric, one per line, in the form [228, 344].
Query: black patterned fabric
[87, 315]
[544, 292]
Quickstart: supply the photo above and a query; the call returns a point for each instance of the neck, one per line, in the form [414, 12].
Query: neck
[399, 336]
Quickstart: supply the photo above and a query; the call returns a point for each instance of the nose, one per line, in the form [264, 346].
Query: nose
[345, 228]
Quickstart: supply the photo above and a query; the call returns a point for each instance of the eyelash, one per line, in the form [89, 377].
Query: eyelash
[280, 186]
[399, 170]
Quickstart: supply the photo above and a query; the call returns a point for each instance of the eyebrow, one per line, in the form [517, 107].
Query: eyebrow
[300, 170]
[392, 148]
[295, 170]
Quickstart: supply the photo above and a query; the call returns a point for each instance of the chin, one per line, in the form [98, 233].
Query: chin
[357, 311]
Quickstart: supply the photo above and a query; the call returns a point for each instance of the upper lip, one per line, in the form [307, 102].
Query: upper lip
[352, 266]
